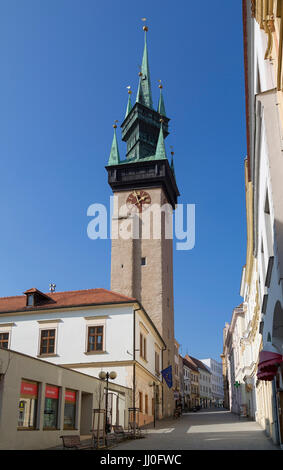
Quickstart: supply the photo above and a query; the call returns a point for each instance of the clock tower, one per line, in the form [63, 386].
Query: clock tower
[142, 262]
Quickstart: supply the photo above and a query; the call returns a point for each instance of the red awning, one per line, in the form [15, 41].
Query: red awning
[268, 365]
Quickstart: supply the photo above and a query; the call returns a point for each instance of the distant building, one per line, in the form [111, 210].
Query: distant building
[187, 389]
[217, 389]
[176, 375]
[194, 382]
[205, 396]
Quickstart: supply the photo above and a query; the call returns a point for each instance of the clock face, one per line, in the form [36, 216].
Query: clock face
[138, 201]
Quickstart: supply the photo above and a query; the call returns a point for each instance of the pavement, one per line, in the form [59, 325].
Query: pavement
[207, 429]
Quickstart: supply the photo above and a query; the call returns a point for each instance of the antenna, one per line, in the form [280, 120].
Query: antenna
[52, 287]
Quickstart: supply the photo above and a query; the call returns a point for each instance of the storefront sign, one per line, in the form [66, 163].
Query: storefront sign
[70, 396]
[28, 388]
[52, 392]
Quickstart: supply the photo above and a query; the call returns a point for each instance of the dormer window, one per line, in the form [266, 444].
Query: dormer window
[30, 300]
[36, 298]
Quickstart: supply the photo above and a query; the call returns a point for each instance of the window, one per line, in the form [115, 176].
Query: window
[142, 346]
[28, 405]
[4, 340]
[143, 261]
[70, 409]
[95, 338]
[140, 402]
[30, 300]
[47, 342]
[157, 362]
[50, 417]
[146, 404]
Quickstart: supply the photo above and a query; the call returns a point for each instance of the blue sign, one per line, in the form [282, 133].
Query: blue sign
[167, 375]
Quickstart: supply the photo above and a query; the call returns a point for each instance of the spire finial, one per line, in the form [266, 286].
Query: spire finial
[144, 89]
[145, 27]
[129, 105]
[114, 158]
[161, 105]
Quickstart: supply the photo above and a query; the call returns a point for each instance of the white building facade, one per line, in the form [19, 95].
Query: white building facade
[217, 390]
[187, 384]
[263, 291]
[110, 332]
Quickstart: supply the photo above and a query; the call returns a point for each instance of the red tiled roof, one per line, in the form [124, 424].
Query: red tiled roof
[189, 364]
[199, 364]
[64, 299]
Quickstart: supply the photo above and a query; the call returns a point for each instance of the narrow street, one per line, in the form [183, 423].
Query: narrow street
[205, 430]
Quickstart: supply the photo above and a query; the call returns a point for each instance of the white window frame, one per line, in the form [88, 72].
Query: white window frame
[48, 325]
[94, 322]
[7, 328]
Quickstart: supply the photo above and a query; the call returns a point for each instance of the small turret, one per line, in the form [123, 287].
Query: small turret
[160, 153]
[114, 158]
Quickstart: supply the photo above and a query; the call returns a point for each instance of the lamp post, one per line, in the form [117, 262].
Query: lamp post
[106, 376]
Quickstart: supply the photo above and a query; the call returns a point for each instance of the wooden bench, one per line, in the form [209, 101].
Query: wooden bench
[74, 442]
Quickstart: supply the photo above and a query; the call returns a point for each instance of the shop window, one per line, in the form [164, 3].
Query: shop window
[50, 418]
[4, 340]
[95, 338]
[70, 409]
[47, 342]
[27, 413]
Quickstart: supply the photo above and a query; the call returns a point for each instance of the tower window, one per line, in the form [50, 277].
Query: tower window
[143, 261]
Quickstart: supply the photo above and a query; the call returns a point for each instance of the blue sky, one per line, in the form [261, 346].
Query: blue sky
[65, 68]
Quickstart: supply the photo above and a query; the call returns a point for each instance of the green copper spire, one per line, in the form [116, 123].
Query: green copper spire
[161, 105]
[114, 158]
[160, 153]
[144, 90]
[129, 105]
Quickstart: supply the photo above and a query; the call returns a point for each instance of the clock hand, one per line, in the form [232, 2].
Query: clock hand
[135, 193]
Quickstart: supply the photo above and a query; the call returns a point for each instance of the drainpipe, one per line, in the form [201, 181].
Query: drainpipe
[134, 366]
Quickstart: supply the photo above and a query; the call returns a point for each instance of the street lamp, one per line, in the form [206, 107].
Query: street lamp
[106, 376]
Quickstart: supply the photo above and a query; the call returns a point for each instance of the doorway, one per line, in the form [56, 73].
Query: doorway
[86, 413]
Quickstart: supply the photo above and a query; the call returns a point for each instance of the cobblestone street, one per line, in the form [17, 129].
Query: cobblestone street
[205, 430]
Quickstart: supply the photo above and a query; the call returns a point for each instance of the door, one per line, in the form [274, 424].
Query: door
[280, 413]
